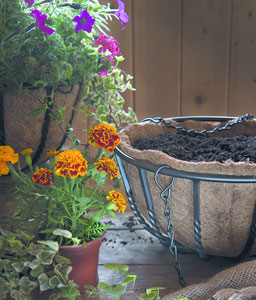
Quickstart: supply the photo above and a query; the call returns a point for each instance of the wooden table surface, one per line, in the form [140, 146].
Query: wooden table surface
[127, 242]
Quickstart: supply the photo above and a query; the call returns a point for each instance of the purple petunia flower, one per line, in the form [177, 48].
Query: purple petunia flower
[29, 2]
[109, 43]
[40, 22]
[121, 14]
[84, 21]
[103, 73]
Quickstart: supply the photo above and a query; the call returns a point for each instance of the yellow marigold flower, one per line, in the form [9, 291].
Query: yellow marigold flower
[107, 165]
[7, 154]
[118, 199]
[52, 152]
[104, 136]
[4, 170]
[27, 151]
[70, 162]
[43, 176]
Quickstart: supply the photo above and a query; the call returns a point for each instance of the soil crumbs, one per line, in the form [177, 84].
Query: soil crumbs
[202, 148]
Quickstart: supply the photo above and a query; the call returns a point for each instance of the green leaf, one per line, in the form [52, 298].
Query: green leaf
[62, 271]
[70, 292]
[54, 281]
[111, 205]
[115, 290]
[63, 232]
[44, 282]
[108, 85]
[32, 264]
[18, 266]
[51, 244]
[37, 271]
[5, 288]
[151, 295]
[19, 295]
[15, 243]
[129, 279]
[117, 267]
[46, 256]
[158, 288]
[26, 285]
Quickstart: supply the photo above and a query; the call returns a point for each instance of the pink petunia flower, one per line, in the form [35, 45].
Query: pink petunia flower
[108, 43]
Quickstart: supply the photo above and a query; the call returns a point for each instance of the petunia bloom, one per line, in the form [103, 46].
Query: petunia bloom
[108, 166]
[121, 14]
[43, 176]
[29, 2]
[40, 21]
[84, 21]
[108, 43]
[118, 199]
[7, 154]
[104, 136]
[70, 162]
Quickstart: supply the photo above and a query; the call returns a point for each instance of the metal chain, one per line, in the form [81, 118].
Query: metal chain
[165, 196]
[192, 132]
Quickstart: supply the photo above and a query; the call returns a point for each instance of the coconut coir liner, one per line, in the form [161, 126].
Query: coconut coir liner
[226, 209]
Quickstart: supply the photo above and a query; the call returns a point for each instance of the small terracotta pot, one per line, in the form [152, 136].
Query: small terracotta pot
[84, 262]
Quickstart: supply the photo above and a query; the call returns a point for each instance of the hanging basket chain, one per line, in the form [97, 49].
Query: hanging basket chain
[165, 195]
[192, 132]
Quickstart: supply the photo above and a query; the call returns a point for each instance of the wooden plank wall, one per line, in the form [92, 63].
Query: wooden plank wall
[189, 57]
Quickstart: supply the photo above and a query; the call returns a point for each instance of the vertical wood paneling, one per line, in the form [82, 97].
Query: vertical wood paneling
[243, 59]
[205, 40]
[156, 57]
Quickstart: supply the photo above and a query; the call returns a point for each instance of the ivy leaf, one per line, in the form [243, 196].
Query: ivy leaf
[51, 244]
[5, 288]
[26, 285]
[108, 85]
[46, 256]
[158, 288]
[150, 295]
[117, 267]
[115, 290]
[44, 282]
[18, 266]
[63, 232]
[62, 271]
[54, 281]
[70, 292]
[37, 271]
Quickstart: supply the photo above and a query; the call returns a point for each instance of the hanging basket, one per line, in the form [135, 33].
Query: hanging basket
[210, 206]
[20, 130]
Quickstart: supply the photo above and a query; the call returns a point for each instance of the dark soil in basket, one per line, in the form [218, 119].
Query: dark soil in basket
[202, 148]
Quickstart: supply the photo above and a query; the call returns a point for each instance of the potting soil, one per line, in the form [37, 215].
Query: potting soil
[202, 147]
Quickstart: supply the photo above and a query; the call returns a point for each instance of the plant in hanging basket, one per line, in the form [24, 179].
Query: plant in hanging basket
[64, 202]
[53, 54]
[225, 221]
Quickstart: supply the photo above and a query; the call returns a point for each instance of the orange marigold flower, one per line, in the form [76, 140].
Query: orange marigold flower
[70, 162]
[7, 154]
[52, 152]
[4, 170]
[107, 165]
[104, 136]
[43, 176]
[118, 199]
[27, 151]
